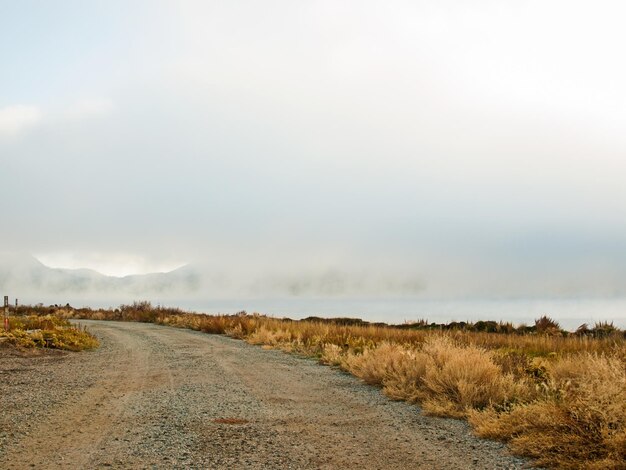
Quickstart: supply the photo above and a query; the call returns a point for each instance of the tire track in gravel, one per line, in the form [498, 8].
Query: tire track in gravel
[160, 397]
[78, 427]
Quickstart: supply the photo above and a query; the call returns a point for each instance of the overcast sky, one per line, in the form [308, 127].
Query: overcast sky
[462, 141]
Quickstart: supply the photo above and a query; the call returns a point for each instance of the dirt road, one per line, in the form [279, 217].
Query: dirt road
[159, 397]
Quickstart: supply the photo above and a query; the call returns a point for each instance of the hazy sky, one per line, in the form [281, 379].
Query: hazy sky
[463, 142]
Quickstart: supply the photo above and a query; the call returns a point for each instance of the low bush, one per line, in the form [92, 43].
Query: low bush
[48, 331]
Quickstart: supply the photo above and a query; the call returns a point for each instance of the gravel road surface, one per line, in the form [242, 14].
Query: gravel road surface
[160, 397]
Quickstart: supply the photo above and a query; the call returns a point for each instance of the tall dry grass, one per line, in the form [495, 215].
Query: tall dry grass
[556, 397]
[576, 420]
[446, 378]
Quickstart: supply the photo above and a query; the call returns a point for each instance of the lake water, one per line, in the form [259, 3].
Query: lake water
[570, 313]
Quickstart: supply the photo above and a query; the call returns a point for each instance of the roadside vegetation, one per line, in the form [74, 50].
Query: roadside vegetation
[47, 331]
[555, 396]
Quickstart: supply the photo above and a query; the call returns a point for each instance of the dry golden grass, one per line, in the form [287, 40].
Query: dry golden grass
[558, 398]
[446, 378]
[578, 419]
[460, 378]
[373, 365]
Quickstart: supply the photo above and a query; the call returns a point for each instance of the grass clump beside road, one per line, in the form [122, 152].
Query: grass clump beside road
[554, 396]
[574, 418]
[47, 331]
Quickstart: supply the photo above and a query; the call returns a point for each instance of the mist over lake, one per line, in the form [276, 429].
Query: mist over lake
[385, 296]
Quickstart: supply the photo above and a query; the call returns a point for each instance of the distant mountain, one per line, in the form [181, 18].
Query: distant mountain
[23, 276]
[24, 273]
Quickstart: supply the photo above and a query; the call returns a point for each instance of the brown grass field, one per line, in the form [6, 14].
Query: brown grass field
[556, 397]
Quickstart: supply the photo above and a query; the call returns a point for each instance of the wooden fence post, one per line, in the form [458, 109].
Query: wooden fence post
[6, 313]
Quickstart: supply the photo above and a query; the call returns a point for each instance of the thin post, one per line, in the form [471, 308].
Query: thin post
[6, 313]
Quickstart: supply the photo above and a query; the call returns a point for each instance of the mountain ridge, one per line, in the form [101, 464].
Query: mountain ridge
[24, 272]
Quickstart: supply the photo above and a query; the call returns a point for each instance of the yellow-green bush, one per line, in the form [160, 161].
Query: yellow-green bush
[48, 331]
